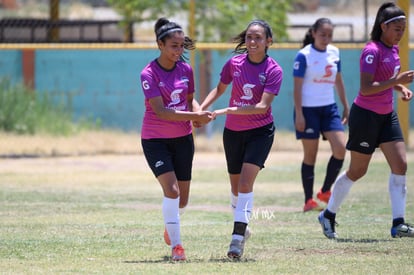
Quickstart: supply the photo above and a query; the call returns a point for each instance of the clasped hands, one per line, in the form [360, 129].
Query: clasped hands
[205, 117]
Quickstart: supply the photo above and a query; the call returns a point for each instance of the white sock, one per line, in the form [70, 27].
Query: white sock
[233, 202]
[340, 190]
[244, 207]
[398, 191]
[172, 219]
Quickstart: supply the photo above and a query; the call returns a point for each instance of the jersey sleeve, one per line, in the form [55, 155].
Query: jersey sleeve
[148, 85]
[226, 75]
[369, 60]
[338, 64]
[299, 66]
[274, 81]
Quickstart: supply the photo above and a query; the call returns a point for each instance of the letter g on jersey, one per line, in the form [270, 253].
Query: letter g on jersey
[145, 85]
[369, 59]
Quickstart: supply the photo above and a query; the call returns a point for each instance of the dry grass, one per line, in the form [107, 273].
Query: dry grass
[113, 142]
[108, 142]
[84, 143]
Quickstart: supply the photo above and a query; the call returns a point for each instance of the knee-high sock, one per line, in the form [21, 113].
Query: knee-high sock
[340, 190]
[242, 214]
[170, 211]
[308, 175]
[244, 207]
[398, 191]
[332, 171]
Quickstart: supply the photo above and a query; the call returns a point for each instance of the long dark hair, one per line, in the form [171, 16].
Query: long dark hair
[164, 28]
[386, 12]
[318, 23]
[240, 39]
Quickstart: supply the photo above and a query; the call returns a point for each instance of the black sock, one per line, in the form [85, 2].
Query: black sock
[332, 171]
[239, 228]
[308, 175]
[329, 215]
[397, 221]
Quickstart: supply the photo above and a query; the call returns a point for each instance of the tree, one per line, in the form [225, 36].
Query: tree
[216, 20]
[137, 11]
[219, 21]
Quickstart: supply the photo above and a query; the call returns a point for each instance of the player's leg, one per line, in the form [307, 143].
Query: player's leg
[310, 144]
[395, 154]
[258, 143]
[170, 206]
[310, 150]
[337, 143]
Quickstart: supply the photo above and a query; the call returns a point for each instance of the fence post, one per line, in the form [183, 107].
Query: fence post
[54, 18]
[403, 108]
[28, 67]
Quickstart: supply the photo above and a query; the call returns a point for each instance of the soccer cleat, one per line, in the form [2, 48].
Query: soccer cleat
[166, 237]
[324, 196]
[328, 226]
[178, 253]
[311, 204]
[235, 249]
[402, 230]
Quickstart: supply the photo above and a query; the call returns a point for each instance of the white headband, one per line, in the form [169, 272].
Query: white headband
[167, 32]
[394, 18]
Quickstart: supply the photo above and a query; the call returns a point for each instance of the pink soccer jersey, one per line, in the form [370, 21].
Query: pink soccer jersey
[384, 63]
[173, 86]
[249, 82]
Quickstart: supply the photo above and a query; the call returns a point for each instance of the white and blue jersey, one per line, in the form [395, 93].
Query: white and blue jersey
[318, 70]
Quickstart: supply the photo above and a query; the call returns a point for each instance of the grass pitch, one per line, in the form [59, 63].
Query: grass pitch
[102, 215]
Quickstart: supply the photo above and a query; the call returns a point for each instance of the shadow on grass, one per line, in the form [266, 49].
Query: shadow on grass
[348, 240]
[167, 259]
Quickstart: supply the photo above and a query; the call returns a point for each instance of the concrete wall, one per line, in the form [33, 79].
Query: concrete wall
[103, 83]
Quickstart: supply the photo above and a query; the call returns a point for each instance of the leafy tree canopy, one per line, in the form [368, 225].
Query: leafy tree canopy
[220, 21]
[216, 20]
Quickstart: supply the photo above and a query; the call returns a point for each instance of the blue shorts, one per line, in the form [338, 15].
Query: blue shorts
[367, 129]
[318, 120]
[250, 146]
[170, 154]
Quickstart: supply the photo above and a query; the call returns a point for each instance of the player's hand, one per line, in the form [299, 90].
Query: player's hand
[406, 94]
[300, 122]
[219, 112]
[345, 116]
[406, 77]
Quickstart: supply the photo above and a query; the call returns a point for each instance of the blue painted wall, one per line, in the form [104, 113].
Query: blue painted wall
[104, 84]
[11, 65]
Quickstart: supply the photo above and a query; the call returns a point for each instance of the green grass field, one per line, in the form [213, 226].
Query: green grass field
[102, 215]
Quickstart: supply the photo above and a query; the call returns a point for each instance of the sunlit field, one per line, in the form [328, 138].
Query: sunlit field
[101, 214]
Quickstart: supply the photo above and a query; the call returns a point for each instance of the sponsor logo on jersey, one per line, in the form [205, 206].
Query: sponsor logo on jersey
[328, 71]
[262, 78]
[247, 90]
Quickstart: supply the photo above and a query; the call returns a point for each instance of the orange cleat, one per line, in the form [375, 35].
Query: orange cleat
[311, 204]
[324, 196]
[178, 253]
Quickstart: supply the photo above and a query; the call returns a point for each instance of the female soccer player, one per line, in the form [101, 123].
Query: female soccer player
[249, 130]
[373, 122]
[316, 74]
[166, 135]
